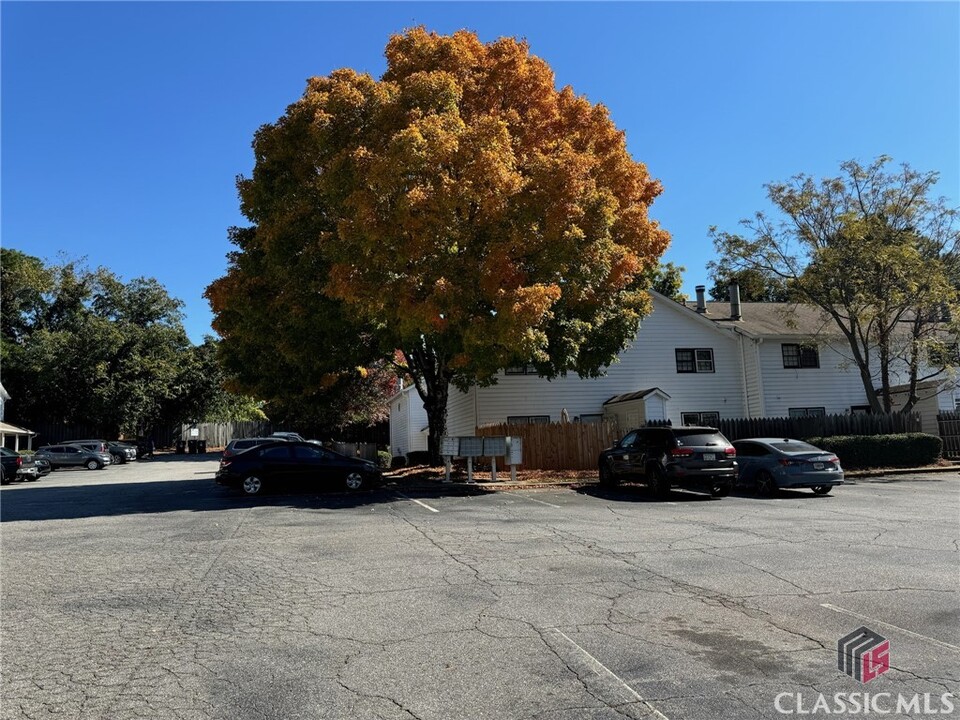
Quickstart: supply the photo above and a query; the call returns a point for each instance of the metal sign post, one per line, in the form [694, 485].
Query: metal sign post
[514, 455]
[494, 447]
[449, 448]
[471, 447]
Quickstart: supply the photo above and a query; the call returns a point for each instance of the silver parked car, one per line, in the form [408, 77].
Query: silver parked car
[119, 452]
[769, 464]
[73, 455]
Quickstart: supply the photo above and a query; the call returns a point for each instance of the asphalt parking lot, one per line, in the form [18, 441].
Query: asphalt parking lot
[147, 591]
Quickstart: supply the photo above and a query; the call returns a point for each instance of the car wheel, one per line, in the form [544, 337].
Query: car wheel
[658, 483]
[252, 485]
[766, 485]
[606, 476]
[93, 464]
[822, 489]
[4, 480]
[354, 481]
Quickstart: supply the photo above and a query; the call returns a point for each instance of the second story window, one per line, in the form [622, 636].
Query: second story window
[800, 356]
[694, 360]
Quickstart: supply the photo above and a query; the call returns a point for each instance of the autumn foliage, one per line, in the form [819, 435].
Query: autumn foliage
[462, 209]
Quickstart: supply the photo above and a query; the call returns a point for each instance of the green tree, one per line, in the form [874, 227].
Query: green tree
[877, 253]
[755, 285]
[460, 209]
[81, 346]
[667, 279]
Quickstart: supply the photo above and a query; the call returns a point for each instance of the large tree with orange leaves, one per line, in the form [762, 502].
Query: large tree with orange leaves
[460, 209]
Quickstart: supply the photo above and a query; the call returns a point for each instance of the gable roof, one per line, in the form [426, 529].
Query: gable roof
[773, 319]
[636, 396]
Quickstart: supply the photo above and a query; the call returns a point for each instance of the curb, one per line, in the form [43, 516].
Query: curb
[850, 478]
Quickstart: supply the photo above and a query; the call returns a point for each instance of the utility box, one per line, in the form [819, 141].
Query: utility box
[494, 446]
[449, 446]
[514, 450]
[471, 447]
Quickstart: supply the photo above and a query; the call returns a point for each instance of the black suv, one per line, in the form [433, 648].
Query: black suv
[693, 458]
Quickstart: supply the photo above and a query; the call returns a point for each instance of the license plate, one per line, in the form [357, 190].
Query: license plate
[818, 466]
[709, 456]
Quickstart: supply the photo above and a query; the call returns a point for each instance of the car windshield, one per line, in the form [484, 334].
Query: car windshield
[795, 447]
[698, 437]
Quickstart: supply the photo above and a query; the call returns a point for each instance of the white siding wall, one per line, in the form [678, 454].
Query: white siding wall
[399, 422]
[407, 417]
[649, 362]
[460, 421]
[417, 420]
[834, 386]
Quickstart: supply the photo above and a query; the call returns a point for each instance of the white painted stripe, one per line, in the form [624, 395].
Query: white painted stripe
[423, 504]
[542, 502]
[600, 669]
[836, 609]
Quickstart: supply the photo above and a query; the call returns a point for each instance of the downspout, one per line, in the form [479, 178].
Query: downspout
[743, 366]
[476, 413]
[743, 373]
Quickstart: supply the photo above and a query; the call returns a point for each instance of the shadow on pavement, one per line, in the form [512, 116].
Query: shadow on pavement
[784, 494]
[640, 493]
[37, 502]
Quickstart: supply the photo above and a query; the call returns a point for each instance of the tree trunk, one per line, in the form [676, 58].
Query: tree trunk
[436, 407]
[430, 373]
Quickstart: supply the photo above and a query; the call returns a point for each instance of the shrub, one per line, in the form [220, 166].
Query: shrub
[383, 459]
[867, 451]
[418, 457]
[398, 461]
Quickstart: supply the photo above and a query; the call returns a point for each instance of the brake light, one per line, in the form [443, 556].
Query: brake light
[19, 461]
[681, 452]
[785, 462]
[731, 451]
[833, 459]
[224, 463]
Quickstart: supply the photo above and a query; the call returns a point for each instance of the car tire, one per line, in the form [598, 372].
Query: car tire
[93, 465]
[822, 489]
[765, 484]
[4, 480]
[355, 481]
[658, 483]
[252, 485]
[607, 478]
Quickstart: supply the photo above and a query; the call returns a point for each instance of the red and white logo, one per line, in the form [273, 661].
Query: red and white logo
[863, 654]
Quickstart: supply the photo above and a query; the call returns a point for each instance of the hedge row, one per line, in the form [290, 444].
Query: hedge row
[870, 451]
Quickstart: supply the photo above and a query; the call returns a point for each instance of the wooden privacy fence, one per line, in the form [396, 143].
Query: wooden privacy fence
[219, 434]
[823, 426]
[558, 446]
[949, 424]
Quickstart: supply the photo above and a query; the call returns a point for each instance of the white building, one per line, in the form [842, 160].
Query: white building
[691, 364]
[408, 422]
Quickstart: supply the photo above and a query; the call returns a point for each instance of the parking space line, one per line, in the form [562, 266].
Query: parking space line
[600, 669]
[542, 502]
[844, 611]
[431, 509]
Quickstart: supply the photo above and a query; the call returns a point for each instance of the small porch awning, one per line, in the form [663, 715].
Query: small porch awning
[18, 435]
[638, 395]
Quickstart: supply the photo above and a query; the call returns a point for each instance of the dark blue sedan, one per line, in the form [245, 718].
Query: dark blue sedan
[769, 464]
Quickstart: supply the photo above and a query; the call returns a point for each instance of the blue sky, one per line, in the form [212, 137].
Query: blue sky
[124, 125]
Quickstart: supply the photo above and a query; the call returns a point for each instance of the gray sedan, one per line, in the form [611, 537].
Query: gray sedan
[769, 464]
[66, 455]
